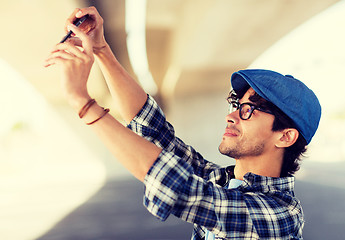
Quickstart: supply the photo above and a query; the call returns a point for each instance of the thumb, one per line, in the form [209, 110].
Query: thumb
[75, 41]
[85, 40]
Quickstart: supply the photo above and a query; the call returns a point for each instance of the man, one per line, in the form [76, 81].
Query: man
[273, 118]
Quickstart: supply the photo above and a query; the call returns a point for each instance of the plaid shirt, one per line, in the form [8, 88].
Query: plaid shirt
[181, 182]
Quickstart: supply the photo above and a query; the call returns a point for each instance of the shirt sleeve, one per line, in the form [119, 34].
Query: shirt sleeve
[171, 187]
[151, 124]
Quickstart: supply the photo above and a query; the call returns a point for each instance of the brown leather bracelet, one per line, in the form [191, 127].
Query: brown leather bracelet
[104, 113]
[86, 107]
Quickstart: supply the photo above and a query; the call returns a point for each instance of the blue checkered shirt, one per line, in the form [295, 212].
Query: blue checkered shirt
[181, 182]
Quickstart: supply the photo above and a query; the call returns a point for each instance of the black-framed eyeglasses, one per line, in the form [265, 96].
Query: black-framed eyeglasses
[246, 109]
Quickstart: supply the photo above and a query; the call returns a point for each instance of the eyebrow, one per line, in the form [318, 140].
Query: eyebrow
[259, 101]
[248, 101]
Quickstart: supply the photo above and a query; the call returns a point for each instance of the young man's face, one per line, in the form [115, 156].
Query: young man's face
[247, 138]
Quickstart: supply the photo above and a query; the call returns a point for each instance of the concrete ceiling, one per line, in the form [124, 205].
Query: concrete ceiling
[192, 45]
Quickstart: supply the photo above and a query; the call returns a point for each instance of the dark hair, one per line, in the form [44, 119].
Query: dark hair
[294, 153]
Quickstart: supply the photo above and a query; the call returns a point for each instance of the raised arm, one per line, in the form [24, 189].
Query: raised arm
[128, 95]
[134, 152]
[126, 92]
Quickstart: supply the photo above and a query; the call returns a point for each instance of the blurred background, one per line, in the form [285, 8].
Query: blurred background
[57, 181]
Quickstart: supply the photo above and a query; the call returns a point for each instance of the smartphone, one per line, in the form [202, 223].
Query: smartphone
[76, 22]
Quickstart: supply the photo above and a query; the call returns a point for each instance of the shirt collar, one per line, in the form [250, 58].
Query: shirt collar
[268, 184]
[261, 183]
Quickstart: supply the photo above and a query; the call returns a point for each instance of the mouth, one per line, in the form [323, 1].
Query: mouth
[230, 132]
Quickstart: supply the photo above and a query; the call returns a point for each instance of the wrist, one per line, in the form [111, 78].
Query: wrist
[78, 102]
[103, 52]
[91, 112]
[101, 48]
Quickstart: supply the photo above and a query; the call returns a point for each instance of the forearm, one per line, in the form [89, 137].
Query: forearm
[134, 152]
[126, 92]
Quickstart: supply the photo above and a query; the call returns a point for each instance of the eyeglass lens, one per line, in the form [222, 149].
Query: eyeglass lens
[245, 109]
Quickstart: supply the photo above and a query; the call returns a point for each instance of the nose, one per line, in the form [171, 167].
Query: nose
[232, 117]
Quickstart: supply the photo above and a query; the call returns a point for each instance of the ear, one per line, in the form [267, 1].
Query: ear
[287, 138]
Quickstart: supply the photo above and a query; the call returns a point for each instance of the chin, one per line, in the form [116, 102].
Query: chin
[224, 150]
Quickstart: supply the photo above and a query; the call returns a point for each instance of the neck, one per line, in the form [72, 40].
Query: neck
[269, 166]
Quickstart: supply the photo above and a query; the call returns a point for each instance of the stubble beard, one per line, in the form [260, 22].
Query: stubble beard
[241, 149]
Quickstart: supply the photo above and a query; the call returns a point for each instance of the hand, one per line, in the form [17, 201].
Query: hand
[76, 65]
[93, 27]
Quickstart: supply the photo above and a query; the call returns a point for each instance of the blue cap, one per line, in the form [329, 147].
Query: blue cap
[290, 95]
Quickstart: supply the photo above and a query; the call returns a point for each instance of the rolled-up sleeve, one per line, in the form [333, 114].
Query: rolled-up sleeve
[151, 124]
[164, 182]
[150, 115]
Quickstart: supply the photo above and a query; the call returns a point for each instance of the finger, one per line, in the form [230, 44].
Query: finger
[78, 13]
[95, 20]
[62, 54]
[71, 18]
[92, 11]
[47, 64]
[86, 43]
[55, 60]
[68, 48]
[74, 41]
